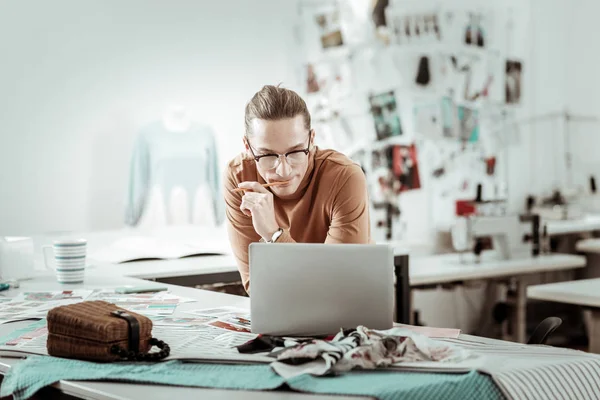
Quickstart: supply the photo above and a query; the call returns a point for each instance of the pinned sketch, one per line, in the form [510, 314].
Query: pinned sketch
[332, 79]
[513, 81]
[475, 34]
[385, 115]
[413, 28]
[330, 28]
[468, 124]
[468, 27]
[449, 118]
[428, 120]
[467, 78]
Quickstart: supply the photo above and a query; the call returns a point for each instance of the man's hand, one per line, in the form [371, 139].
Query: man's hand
[257, 202]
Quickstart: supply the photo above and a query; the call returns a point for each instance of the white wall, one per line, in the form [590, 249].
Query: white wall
[79, 78]
[583, 94]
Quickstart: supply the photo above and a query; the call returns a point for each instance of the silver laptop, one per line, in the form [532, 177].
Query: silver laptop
[306, 289]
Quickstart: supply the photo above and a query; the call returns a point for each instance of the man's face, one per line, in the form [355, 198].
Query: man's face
[278, 138]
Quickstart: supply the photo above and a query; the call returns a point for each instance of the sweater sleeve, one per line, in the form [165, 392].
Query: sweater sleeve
[350, 210]
[239, 227]
[139, 177]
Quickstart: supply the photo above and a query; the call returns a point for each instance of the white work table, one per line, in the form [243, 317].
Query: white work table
[187, 271]
[424, 270]
[448, 268]
[116, 390]
[588, 246]
[587, 223]
[583, 293]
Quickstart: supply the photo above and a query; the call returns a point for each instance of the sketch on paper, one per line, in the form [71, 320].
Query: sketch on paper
[475, 34]
[413, 28]
[330, 31]
[468, 124]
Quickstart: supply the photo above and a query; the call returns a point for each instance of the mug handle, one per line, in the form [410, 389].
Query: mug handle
[46, 263]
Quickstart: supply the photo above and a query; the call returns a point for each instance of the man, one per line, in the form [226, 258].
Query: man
[318, 196]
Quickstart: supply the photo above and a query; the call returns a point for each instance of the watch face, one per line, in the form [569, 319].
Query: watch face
[276, 235]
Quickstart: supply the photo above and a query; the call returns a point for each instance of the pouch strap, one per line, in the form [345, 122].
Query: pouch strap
[134, 329]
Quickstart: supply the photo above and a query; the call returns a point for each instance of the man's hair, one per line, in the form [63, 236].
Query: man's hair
[273, 103]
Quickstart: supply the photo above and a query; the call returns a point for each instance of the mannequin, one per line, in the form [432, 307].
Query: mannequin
[177, 119]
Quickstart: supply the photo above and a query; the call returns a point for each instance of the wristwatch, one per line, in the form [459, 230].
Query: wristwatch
[275, 236]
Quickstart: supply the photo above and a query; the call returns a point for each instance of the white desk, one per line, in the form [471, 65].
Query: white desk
[424, 271]
[583, 293]
[454, 267]
[446, 268]
[564, 227]
[588, 246]
[113, 390]
[189, 271]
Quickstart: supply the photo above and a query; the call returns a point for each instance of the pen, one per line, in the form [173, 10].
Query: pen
[265, 185]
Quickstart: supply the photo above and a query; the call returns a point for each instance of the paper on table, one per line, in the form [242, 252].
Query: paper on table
[33, 341]
[436, 333]
[217, 311]
[181, 322]
[77, 294]
[146, 247]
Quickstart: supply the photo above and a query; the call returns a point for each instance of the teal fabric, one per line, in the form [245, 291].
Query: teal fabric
[27, 377]
[390, 385]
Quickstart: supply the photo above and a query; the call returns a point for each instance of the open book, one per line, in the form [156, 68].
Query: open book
[147, 247]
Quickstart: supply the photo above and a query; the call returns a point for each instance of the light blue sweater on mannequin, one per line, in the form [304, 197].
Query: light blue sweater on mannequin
[163, 160]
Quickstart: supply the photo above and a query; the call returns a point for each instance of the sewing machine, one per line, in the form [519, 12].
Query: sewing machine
[510, 234]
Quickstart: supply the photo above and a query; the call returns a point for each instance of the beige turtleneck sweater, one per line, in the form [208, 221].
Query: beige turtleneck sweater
[331, 205]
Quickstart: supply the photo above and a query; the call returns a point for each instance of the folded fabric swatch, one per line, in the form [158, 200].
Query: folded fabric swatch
[363, 348]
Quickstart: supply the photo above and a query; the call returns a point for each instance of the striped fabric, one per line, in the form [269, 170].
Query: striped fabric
[537, 372]
[365, 349]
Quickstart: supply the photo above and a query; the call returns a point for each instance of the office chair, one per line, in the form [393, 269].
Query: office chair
[543, 331]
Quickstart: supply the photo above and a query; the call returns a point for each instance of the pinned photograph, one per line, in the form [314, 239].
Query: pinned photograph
[406, 167]
[512, 81]
[385, 115]
[379, 19]
[468, 120]
[330, 30]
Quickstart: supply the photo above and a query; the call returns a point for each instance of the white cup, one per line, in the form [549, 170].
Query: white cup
[69, 259]
[16, 258]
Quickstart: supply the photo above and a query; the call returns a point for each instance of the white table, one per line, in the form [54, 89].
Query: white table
[449, 268]
[424, 271]
[583, 293]
[588, 246]
[113, 390]
[188, 271]
[587, 223]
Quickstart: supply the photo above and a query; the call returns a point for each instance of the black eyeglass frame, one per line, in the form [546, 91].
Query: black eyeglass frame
[258, 158]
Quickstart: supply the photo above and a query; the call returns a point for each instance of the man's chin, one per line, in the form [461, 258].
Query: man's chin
[284, 190]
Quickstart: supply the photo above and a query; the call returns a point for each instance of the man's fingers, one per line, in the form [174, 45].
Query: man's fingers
[254, 186]
[246, 206]
[253, 198]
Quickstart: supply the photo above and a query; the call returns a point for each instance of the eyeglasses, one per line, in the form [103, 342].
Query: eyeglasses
[271, 161]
